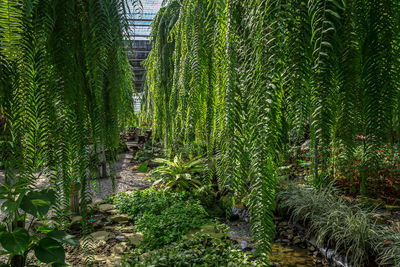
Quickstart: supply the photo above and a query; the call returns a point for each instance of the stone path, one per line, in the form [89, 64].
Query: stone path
[127, 179]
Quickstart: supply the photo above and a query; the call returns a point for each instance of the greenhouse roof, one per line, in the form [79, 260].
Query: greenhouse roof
[140, 21]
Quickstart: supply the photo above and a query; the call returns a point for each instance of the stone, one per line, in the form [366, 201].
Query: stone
[283, 224]
[297, 240]
[311, 248]
[144, 256]
[290, 237]
[100, 258]
[97, 224]
[119, 248]
[120, 218]
[76, 223]
[244, 245]
[98, 201]
[105, 207]
[101, 235]
[114, 260]
[120, 237]
[113, 211]
[128, 229]
[76, 220]
[135, 239]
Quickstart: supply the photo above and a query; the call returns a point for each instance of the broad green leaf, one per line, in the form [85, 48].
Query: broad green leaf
[16, 242]
[50, 251]
[9, 206]
[37, 203]
[63, 237]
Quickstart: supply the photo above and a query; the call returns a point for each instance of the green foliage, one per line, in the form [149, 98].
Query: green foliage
[65, 92]
[387, 245]
[143, 167]
[178, 174]
[162, 217]
[249, 78]
[16, 240]
[198, 250]
[336, 222]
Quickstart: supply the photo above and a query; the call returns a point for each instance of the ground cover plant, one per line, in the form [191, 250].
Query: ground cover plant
[199, 250]
[345, 225]
[162, 217]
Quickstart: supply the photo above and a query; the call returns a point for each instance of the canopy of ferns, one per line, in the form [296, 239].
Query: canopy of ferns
[244, 78]
[65, 89]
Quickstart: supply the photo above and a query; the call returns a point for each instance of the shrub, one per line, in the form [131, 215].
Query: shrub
[198, 250]
[162, 217]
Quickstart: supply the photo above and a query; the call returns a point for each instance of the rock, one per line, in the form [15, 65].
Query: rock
[92, 207]
[98, 201]
[120, 218]
[76, 220]
[290, 237]
[105, 207]
[297, 240]
[135, 239]
[100, 258]
[144, 255]
[121, 237]
[114, 260]
[282, 224]
[311, 248]
[97, 224]
[290, 231]
[244, 245]
[119, 248]
[101, 235]
[128, 229]
[76, 223]
[113, 211]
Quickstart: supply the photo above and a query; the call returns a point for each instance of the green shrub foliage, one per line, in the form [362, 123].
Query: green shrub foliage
[65, 90]
[198, 250]
[162, 217]
[249, 77]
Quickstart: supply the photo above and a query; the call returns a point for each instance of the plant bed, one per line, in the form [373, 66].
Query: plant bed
[350, 229]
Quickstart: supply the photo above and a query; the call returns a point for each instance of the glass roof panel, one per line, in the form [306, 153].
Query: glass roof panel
[140, 21]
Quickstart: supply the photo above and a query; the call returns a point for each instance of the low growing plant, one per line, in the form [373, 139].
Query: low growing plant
[337, 222]
[18, 239]
[162, 217]
[198, 250]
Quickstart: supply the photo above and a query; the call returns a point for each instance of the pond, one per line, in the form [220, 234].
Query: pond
[283, 254]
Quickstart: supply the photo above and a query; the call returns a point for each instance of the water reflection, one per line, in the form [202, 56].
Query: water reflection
[291, 256]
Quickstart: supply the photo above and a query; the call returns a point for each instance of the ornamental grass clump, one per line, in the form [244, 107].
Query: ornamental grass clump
[336, 222]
